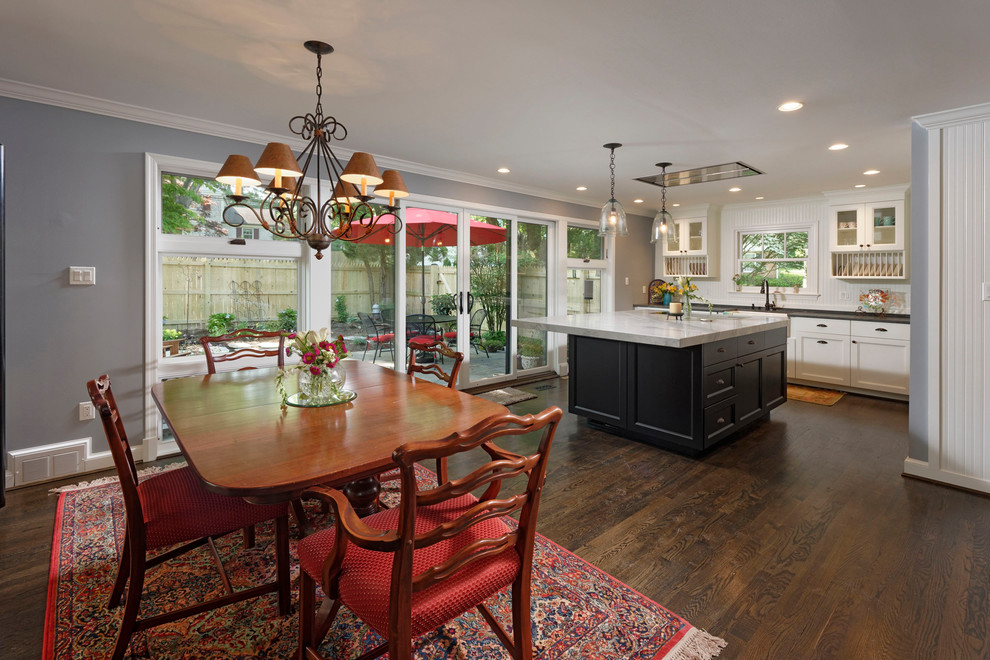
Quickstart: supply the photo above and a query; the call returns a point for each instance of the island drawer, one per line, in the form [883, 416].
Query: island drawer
[719, 382]
[717, 351]
[751, 343]
[720, 420]
[815, 326]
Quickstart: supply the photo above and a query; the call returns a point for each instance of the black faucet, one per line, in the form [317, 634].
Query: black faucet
[765, 288]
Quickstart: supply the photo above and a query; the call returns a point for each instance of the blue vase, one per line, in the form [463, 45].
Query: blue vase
[666, 299]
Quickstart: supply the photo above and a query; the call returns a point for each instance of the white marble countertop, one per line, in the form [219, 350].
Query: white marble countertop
[651, 327]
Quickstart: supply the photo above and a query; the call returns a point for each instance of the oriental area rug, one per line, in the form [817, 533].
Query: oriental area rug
[578, 610]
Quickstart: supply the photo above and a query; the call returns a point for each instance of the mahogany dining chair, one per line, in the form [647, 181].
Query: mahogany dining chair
[170, 509]
[242, 334]
[440, 553]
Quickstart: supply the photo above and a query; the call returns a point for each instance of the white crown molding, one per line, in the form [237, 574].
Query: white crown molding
[954, 117]
[82, 102]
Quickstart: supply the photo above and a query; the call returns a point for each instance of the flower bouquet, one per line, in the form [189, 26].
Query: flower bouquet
[321, 378]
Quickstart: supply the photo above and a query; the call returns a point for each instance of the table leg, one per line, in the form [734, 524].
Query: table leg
[363, 495]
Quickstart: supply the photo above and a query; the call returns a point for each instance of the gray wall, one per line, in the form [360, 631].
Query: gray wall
[920, 344]
[75, 197]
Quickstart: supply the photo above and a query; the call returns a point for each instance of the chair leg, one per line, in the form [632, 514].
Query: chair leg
[135, 585]
[522, 625]
[123, 568]
[248, 533]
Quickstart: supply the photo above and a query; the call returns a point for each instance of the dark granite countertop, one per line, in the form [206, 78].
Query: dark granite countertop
[794, 311]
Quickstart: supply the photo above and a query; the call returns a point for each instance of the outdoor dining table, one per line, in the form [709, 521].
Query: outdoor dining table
[240, 441]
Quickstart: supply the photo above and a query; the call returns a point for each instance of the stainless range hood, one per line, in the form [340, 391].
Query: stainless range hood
[701, 174]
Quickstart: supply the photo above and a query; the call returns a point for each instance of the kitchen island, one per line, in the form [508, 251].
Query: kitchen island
[682, 384]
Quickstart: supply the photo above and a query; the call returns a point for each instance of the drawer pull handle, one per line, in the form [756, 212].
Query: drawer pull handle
[721, 350]
[753, 341]
[720, 420]
[854, 341]
[821, 325]
[880, 329]
[720, 381]
[821, 341]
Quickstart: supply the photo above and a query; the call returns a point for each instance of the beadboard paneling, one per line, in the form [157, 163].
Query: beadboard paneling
[831, 293]
[965, 318]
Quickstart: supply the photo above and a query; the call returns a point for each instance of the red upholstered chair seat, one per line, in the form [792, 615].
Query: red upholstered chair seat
[368, 598]
[423, 340]
[389, 336]
[177, 508]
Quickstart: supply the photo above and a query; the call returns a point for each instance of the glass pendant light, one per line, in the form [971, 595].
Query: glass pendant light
[613, 220]
[662, 219]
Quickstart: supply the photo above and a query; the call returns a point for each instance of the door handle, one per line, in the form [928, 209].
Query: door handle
[720, 420]
[720, 381]
[460, 302]
[854, 341]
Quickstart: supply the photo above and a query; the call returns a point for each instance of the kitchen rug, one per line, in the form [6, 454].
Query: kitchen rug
[578, 610]
[817, 395]
[507, 396]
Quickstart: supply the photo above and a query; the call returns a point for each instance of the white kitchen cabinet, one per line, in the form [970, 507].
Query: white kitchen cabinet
[880, 356]
[687, 236]
[863, 355]
[823, 358]
[869, 226]
[868, 235]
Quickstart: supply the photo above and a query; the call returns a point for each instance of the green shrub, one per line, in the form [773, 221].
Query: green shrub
[171, 334]
[493, 340]
[220, 323]
[444, 304]
[532, 347]
[286, 321]
[340, 308]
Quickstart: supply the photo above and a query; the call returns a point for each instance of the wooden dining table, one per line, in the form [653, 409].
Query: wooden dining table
[238, 438]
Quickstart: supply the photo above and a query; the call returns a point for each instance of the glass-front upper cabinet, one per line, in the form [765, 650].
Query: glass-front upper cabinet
[876, 225]
[686, 236]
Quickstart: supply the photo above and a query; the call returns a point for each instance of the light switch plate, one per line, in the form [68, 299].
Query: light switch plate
[82, 275]
[986, 290]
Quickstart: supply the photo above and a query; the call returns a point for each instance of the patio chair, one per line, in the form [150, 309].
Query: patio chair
[242, 334]
[478, 317]
[175, 513]
[374, 333]
[421, 330]
[440, 553]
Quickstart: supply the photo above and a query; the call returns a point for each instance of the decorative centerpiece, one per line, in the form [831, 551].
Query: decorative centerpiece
[669, 290]
[874, 301]
[321, 376]
[685, 286]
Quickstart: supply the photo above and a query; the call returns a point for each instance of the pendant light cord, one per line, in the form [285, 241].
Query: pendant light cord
[611, 169]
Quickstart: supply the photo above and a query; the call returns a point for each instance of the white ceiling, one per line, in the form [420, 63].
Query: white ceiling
[539, 85]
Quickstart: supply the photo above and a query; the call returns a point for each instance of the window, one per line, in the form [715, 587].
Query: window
[780, 256]
[248, 232]
[583, 243]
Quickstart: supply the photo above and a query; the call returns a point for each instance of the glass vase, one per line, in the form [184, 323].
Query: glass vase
[687, 307]
[325, 388]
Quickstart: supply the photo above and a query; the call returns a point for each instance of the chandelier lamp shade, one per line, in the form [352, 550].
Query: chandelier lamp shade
[286, 210]
[662, 220]
[613, 218]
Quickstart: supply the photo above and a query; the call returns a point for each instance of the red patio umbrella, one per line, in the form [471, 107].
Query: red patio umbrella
[430, 228]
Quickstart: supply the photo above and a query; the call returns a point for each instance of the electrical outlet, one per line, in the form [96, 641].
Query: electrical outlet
[627, 281]
[86, 411]
[844, 296]
[644, 288]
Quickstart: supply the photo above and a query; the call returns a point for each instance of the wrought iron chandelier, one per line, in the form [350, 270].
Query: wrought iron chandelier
[613, 218]
[662, 218]
[347, 215]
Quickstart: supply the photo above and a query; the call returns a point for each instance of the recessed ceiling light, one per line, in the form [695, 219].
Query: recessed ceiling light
[838, 146]
[637, 201]
[860, 185]
[759, 198]
[675, 204]
[790, 106]
[734, 189]
[504, 170]
[582, 188]
[871, 172]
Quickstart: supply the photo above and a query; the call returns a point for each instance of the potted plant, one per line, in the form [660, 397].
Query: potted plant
[532, 352]
[737, 281]
[170, 341]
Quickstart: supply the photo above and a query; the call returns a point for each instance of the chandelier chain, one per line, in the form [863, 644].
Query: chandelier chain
[319, 87]
[611, 169]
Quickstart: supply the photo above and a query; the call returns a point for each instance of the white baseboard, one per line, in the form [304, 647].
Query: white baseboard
[64, 459]
[923, 470]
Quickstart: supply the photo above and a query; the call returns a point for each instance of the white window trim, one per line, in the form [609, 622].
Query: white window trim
[814, 263]
[314, 282]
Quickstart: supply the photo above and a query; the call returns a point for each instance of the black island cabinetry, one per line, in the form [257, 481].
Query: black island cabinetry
[687, 399]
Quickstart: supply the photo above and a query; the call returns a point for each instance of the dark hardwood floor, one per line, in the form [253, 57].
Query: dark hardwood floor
[798, 540]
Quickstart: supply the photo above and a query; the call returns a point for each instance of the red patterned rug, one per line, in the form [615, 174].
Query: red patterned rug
[578, 610]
